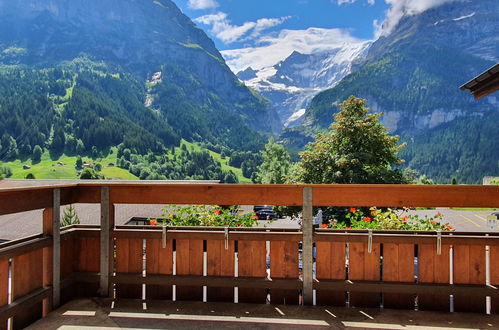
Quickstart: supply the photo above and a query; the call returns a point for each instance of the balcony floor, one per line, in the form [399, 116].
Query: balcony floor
[134, 314]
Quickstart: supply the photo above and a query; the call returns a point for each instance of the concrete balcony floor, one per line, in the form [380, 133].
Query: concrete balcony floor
[134, 314]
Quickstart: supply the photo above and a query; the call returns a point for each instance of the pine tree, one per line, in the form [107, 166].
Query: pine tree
[69, 217]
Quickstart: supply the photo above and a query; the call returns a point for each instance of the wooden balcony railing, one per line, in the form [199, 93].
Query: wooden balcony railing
[411, 270]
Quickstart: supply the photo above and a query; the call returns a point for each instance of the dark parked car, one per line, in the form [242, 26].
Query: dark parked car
[264, 212]
[495, 214]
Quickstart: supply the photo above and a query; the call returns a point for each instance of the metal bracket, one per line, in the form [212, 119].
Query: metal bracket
[226, 237]
[439, 242]
[370, 241]
[164, 237]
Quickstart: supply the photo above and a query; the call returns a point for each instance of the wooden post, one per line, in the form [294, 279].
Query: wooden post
[48, 230]
[307, 246]
[56, 236]
[104, 242]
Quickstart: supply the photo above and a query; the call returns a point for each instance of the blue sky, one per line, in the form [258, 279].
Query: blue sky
[260, 33]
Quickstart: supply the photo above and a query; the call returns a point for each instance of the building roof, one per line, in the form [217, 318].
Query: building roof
[484, 84]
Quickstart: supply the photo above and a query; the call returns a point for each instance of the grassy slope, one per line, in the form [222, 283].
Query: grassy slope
[48, 168]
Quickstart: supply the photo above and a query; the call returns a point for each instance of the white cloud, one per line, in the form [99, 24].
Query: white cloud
[275, 48]
[398, 9]
[222, 28]
[202, 4]
[401, 8]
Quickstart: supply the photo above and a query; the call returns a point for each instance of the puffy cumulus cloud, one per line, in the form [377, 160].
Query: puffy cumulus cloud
[202, 4]
[401, 8]
[223, 29]
[271, 49]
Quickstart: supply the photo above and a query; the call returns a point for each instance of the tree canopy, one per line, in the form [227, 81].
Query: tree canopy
[356, 149]
[276, 164]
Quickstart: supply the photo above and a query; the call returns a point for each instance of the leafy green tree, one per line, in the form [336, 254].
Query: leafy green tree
[5, 172]
[30, 176]
[356, 149]
[230, 177]
[88, 174]
[276, 163]
[37, 154]
[98, 167]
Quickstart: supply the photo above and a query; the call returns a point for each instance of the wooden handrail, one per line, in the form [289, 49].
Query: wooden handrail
[29, 198]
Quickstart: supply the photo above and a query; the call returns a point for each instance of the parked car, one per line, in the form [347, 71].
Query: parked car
[495, 214]
[264, 212]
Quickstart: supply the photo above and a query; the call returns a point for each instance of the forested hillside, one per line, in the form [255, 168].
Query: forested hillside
[80, 77]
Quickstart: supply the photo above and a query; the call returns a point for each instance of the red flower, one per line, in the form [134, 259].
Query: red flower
[438, 214]
[349, 228]
[153, 222]
[353, 210]
[324, 225]
[255, 217]
[217, 211]
[433, 222]
[404, 219]
[447, 227]
[367, 219]
[373, 213]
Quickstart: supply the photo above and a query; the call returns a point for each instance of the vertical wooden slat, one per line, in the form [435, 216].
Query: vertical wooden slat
[104, 243]
[364, 266]
[220, 263]
[189, 261]
[129, 259]
[307, 246]
[494, 276]
[24, 281]
[67, 267]
[56, 248]
[330, 264]
[398, 266]
[469, 268]
[251, 263]
[159, 260]
[4, 288]
[48, 257]
[87, 251]
[284, 264]
[433, 268]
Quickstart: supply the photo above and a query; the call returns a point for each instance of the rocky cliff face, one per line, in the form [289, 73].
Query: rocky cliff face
[141, 36]
[413, 74]
[292, 83]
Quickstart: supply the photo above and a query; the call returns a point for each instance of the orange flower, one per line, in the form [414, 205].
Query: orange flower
[217, 211]
[324, 225]
[447, 227]
[153, 222]
[349, 228]
[433, 222]
[404, 219]
[353, 210]
[367, 219]
[255, 217]
[373, 213]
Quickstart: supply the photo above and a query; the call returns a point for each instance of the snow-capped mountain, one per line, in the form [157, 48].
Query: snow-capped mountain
[292, 83]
